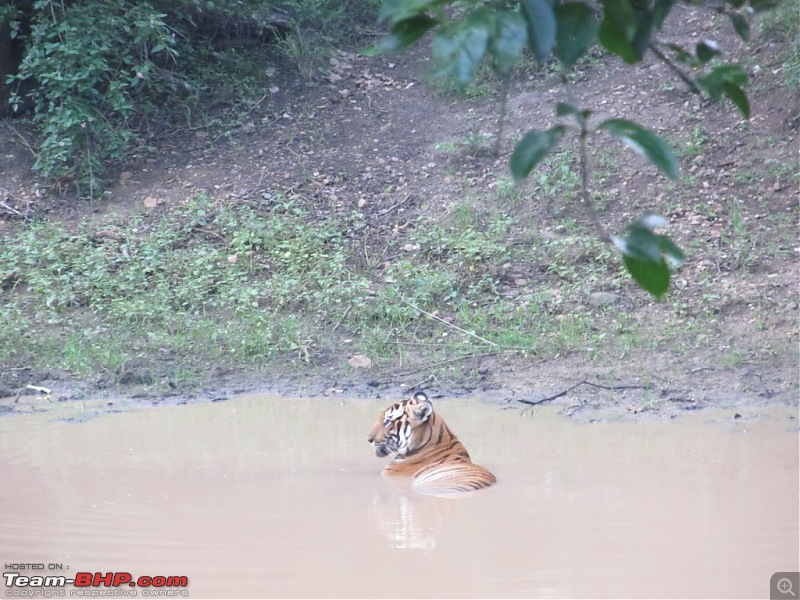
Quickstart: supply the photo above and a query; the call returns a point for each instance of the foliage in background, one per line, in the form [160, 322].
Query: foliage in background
[101, 71]
[783, 25]
[234, 278]
[467, 33]
[91, 63]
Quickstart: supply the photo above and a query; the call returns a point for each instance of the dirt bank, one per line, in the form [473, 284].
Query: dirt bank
[371, 136]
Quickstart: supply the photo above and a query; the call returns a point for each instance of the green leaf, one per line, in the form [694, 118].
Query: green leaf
[532, 148]
[740, 25]
[645, 143]
[394, 11]
[618, 28]
[673, 254]
[733, 73]
[647, 256]
[639, 243]
[738, 97]
[652, 276]
[706, 50]
[508, 39]
[406, 32]
[760, 5]
[576, 31]
[541, 26]
[661, 9]
[566, 108]
[371, 50]
[727, 80]
[644, 29]
[682, 55]
[460, 50]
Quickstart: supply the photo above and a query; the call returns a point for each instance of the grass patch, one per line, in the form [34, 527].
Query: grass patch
[208, 283]
[204, 285]
[782, 25]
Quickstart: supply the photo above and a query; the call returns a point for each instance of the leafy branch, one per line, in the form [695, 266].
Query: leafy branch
[467, 32]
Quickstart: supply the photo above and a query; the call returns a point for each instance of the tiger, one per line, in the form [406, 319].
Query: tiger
[426, 449]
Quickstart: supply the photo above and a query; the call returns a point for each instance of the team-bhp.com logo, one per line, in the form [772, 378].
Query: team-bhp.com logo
[120, 583]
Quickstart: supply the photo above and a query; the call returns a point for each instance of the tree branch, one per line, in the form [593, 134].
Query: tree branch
[585, 194]
[674, 68]
[580, 383]
[501, 119]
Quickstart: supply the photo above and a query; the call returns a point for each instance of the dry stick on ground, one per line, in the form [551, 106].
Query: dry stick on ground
[11, 210]
[244, 196]
[456, 327]
[393, 206]
[584, 382]
[24, 141]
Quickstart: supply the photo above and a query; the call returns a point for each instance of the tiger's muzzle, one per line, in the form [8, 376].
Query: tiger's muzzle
[381, 450]
[382, 447]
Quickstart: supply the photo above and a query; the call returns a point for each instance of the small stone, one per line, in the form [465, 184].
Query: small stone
[599, 299]
[359, 361]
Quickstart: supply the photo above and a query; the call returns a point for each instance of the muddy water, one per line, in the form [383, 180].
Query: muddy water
[260, 497]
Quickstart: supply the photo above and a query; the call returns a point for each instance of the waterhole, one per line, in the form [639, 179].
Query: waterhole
[272, 497]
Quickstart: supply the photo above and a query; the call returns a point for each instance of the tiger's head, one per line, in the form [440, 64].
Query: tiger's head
[403, 427]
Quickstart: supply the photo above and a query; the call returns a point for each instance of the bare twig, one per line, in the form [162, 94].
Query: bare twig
[11, 209]
[586, 196]
[580, 383]
[342, 318]
[501, 119]
[456, 327]
[260, 179]
[393, 206]
[24, 141]
[245, 195]
[674, 68]
[585, 192]
[212, 233]
[252, 108]
[418, 384]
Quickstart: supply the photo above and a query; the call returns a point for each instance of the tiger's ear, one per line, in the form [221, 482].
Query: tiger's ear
[424, 408]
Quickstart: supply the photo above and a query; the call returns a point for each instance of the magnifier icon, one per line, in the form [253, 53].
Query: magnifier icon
[785, 586]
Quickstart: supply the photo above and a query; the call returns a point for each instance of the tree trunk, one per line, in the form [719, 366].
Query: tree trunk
[7, 67]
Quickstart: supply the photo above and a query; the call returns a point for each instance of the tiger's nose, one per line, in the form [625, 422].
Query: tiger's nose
[371, 439]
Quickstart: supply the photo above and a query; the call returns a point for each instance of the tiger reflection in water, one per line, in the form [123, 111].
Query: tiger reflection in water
[440, 468]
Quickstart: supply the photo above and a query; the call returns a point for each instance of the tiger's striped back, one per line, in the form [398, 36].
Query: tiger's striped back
[426, 448]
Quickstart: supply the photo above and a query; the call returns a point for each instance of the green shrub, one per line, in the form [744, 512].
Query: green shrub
[90, 62]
